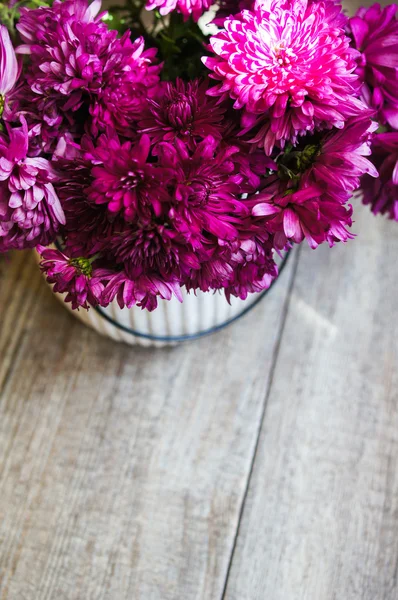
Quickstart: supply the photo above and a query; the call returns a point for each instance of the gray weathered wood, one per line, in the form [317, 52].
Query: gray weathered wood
[122, 470]
[321, 517]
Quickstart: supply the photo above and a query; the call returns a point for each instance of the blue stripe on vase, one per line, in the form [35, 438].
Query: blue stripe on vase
[194, 336]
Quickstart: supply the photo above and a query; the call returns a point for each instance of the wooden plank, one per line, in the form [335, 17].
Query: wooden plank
[320, 521]
[123, 470]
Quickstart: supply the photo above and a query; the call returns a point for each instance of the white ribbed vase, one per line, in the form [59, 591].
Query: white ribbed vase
[171, 322]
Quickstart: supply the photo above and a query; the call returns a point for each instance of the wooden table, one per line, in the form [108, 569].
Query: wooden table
[256, 464]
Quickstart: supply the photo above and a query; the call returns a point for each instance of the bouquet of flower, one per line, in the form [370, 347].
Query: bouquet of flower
[182, 143]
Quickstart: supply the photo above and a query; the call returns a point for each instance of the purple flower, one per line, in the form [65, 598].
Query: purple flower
[289, 66]
[158, 219]
[316, 180]
[76, 62]
[206, 192]
[38, 26]
[254, 268]
[8, 67]
[30, 211]
[143, 291]
[156, 250]
[129, 78]
[375, 34]
[183, 111]
[196, 8]
[125, 179]
[89, 226]
[382, 193]
[74, 277]
[339, 159]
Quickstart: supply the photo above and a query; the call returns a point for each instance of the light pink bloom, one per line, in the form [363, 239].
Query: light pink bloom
[8, 66]
[30, 210]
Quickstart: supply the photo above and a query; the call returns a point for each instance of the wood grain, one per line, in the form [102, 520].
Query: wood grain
[123, 470]
[321, 517]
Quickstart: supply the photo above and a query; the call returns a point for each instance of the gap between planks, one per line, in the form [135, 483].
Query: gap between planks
[274, 361]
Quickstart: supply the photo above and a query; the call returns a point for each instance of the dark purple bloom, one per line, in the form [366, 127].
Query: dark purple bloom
[161, 220]
[30, 211]
[89, 226]
[183, 111]
[382, 193]
[156, 250]
[375, 34]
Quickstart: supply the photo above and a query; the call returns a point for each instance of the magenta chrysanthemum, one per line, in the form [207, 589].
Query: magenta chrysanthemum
[126, 180]
[37, 26]
[74, 277]
[206, 190]
[143, 291]
[382, 193]
[289, 65]
[30, 211]
[129, 78]
[317, 181]
[75, 61]
[89, 226]
[196, 8]
[375, 34]
[183, 111]
[253, 265]
[163, 217]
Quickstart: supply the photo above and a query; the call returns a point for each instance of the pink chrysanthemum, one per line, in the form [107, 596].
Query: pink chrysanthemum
[375, 34]
[382, 193]
[317, 181]
[74, 277]
[30, 211]
[289, 66]
[183, 111]
[76, 61]
[196, 8]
